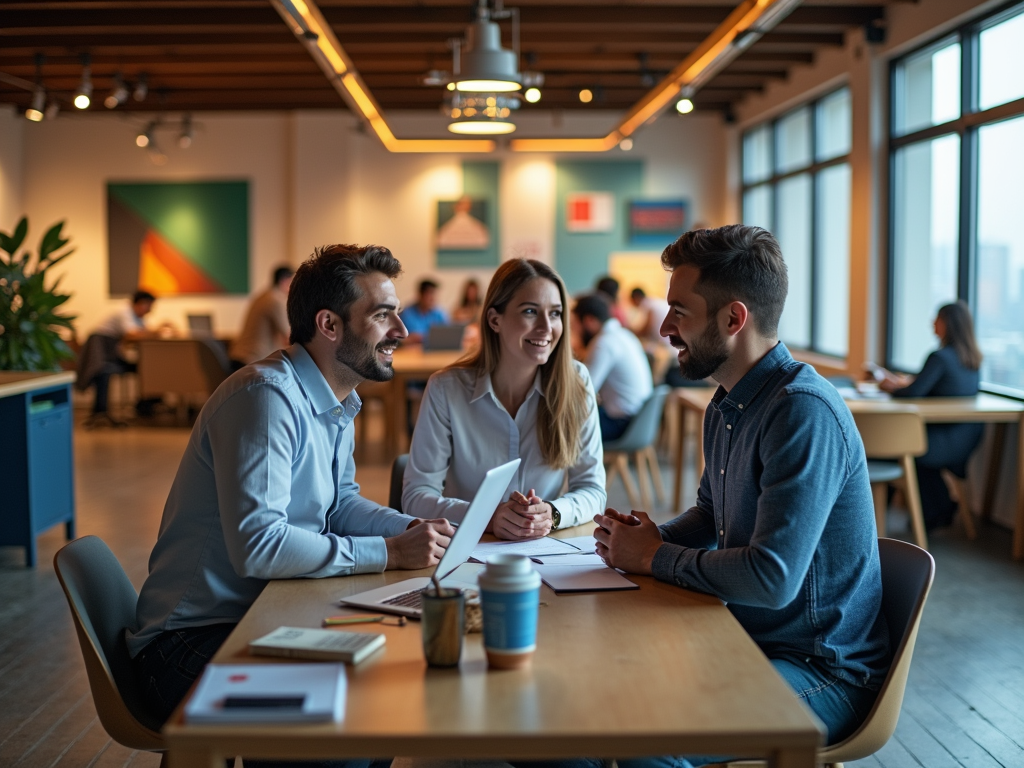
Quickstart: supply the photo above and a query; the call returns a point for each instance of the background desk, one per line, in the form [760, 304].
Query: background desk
[411, 364]
[934, 410]
[654, 671]
[37, 457]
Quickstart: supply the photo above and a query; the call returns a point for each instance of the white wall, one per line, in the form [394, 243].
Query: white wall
[315, 178]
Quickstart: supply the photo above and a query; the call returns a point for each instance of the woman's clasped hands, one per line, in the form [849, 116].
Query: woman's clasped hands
[522, 517]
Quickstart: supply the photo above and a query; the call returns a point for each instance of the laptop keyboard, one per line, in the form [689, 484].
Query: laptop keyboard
[406, 599]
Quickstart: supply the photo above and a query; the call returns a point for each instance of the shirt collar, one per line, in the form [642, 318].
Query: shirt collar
[753, 381]
[484, 386]
[313, 383]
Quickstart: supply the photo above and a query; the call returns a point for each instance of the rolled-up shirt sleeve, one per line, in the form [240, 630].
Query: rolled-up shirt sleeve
[253, 443]
[586, 495]
[429, 457]
[805, 466]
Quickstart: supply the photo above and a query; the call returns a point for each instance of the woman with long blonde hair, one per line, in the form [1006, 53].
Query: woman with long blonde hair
[521, 395]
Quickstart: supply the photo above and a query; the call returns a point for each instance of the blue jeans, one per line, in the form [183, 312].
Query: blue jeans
[167, 667]
[612, 427]
[840, 706]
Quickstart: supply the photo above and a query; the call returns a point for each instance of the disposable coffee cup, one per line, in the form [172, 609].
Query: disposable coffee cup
[509, 596]
[443, 624]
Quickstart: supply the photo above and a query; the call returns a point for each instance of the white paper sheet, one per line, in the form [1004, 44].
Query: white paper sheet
[530, 548]
[585, 544]
[578, 559]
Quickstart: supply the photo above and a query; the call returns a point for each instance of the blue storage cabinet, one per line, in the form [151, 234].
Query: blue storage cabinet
[37, 466]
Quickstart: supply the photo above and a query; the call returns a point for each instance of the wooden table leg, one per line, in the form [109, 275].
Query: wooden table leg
[1018, 528]
[177, 757]
[793, 758]
[995, 463]
[677, 487]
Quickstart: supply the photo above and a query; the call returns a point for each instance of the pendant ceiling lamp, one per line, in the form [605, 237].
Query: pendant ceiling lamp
[482, 113]
[486, 67]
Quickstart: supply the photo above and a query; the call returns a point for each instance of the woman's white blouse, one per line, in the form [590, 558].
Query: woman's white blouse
[463, 430]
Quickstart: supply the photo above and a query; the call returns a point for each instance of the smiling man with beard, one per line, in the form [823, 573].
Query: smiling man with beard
[783, 526]
[266, 488]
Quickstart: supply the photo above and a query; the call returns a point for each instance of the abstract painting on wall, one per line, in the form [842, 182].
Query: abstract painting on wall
[175, 238]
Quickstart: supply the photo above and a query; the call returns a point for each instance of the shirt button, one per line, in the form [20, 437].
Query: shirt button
[722, 532]
[721, 471]
[336, 412]
[740, 406]
[728, 426]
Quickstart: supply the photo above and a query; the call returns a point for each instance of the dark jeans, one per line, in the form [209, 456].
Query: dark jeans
[171, 663]
[102, 382]
[840, 706]
[612, 427]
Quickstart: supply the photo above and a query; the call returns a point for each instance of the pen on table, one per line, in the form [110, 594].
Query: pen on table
[336, 621]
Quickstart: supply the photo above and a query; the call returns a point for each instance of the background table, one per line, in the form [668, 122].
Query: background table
[982, 408]
[411, 363]
[655, 671]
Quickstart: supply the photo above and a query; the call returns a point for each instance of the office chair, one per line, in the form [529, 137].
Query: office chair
[907, 573]
[102, 602]
[397, 476]
[898, 435]
[639, 439]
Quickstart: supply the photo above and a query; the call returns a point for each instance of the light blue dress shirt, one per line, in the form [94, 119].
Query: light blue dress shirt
[266, 490]
[463, 430]
[619, 369]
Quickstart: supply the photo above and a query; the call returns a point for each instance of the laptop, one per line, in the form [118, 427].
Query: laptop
[442, 338]
[403, 597]
[200, 325]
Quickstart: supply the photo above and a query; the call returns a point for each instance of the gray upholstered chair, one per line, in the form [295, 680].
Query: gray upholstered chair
[638, 440]
[397, 476]
[102, 602]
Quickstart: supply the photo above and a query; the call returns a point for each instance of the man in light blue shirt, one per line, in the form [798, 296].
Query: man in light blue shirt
[424, 313]
[266, 488]
[617, 363]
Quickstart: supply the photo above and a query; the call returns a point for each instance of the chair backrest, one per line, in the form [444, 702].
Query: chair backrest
[181, 366]
[643, 429]
[397, 476]
[892, 434]
[907, 573]
[102, 602]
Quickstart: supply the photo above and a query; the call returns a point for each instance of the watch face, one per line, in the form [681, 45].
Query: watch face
[556, 518]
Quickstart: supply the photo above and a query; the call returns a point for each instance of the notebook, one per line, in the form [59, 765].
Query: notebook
[317, 644]
[403, 597]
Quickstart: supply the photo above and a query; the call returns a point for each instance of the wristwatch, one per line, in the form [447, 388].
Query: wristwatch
[556, 517]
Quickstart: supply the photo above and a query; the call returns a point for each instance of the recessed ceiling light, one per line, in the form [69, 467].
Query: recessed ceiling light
[586, 96]
[684, 106]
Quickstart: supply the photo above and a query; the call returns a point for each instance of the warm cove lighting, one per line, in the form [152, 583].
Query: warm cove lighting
[482, 127]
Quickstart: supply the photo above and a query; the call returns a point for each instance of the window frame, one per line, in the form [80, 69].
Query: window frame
[813, 170]
[966, 126]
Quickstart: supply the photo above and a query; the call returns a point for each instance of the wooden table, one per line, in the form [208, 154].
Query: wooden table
[654, 671]
[411, 363]
[37, 457]
[934, 410]
[692, 402]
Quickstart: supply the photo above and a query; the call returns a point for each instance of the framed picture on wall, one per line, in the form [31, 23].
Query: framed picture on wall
[178, 238]
[653, 222]
[462, 225]
[590, 212]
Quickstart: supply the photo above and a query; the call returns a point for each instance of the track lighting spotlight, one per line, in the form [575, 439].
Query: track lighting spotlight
[532, 95]
[586, 96]
[51, 110]
[185, 137]
[626, 144]
[118, 95]
[35, 112]
[146, 137]
[141, 88]
[684, 106]
[83, 96]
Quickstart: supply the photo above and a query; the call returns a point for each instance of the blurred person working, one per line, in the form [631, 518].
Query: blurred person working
[618, 366]
[266, 322]
[266, 488]
[520, 396]
[424, 313]
[783, 529]
[950, 371]
[651, 313]
[101, 356]
[470, 306]
[609, 287]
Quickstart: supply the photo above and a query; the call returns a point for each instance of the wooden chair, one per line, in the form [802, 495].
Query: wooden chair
[638, 440]
[397, 478]
[102, 602]
[962, 492]
[898, 435]
[907, 573]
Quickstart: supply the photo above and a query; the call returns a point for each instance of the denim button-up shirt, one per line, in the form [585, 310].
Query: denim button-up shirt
[266, 490]
[783, 529]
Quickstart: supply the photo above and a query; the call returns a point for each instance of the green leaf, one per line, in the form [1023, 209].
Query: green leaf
[12, 243]
[52, 241]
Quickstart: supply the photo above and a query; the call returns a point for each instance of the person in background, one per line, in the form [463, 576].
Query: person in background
[424, 313]
[266, 487]
[950, 371]
[618, 366]
[469, 308]
[101, 356]
[266, 323]
[783, 527]
[609, 286]
[651, 312]
[520, 396]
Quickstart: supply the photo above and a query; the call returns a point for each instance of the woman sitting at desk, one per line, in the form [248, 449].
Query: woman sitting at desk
[949, 371]
[520, 396]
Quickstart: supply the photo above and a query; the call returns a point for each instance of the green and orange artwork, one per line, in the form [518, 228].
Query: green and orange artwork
[177, 238]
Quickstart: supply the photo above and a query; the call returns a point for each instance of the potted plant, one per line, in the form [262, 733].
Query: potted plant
[29, 323]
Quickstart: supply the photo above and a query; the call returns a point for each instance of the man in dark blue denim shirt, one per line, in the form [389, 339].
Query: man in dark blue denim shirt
[783, 529]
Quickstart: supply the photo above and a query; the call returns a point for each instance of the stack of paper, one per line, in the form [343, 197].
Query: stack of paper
[269, 693]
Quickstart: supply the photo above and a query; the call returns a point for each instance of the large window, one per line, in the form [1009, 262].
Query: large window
[957, 159]
[796, 183]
